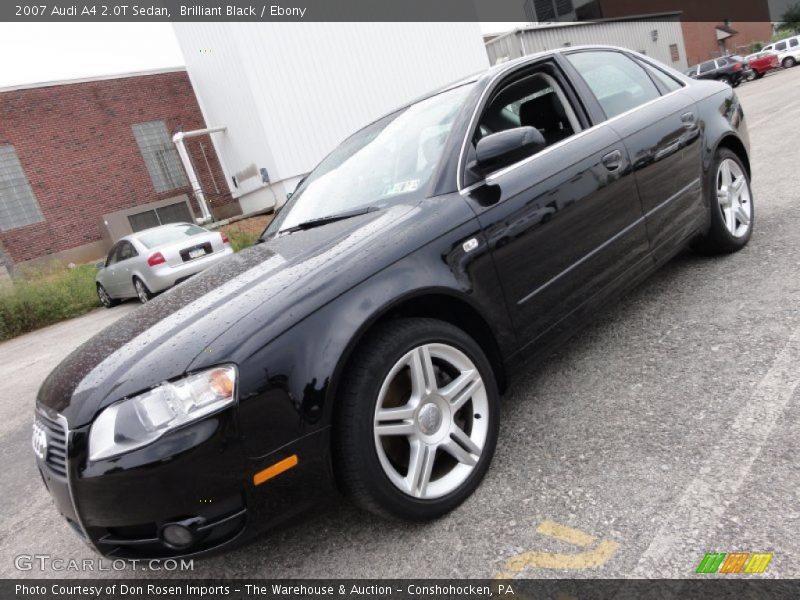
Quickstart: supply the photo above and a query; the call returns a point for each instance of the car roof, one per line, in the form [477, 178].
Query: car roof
[495, 70]
[135, 236]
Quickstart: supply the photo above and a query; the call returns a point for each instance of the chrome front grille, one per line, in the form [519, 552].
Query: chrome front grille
[56, 454]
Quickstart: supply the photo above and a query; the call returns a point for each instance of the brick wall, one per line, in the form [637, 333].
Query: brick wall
[701, 39]
[76, 145]
[699, 19]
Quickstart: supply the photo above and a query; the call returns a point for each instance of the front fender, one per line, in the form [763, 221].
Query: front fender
[288, 386]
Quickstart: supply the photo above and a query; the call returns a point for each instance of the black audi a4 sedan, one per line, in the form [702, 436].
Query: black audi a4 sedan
[364, 343]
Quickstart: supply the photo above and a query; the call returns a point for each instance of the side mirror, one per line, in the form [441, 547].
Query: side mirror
[504, 148]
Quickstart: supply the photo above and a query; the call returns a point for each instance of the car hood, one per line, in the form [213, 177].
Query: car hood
[161, 340]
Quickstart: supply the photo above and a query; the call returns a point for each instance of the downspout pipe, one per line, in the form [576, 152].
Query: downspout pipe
[179, 140]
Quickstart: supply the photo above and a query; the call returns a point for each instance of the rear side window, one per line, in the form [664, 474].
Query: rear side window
[792, 42]
[780, 46]
[707, 66]
[126, 251]
[661, 77]
[616, 80]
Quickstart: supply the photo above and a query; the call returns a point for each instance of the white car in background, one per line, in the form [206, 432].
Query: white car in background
[150, 261]
[788, 51]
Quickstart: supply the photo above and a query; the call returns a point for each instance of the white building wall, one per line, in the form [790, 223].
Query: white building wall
[634, 35]
[290, 92]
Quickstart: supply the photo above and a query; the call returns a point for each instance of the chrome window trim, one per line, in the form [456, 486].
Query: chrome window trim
[493, 177]
[497, 174]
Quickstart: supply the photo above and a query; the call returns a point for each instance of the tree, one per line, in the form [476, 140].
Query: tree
[791, 18]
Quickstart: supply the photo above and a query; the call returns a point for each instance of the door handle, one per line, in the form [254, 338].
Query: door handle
[612, 160]
[687, 119]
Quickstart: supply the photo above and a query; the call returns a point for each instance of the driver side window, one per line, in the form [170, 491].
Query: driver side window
[535, 101]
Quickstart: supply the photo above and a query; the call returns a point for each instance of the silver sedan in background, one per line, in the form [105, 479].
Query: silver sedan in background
[150, 261]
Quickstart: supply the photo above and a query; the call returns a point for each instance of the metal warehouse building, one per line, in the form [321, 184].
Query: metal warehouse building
[659, 36]
[285, 94]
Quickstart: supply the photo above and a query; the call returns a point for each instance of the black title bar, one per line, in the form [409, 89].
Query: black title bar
[719, 11]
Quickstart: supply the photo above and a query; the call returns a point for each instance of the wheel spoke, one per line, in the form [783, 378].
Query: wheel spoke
[423, 377]
[725, 170]
[742, 215]
[730, 219]
[420, 466]
[461, 389]
[737, 186]
[395, 421]
[457, 451]
[462, 438]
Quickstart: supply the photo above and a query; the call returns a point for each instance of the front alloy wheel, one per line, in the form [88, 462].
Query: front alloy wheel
[105, 299]
[431, 421]
[416, 420]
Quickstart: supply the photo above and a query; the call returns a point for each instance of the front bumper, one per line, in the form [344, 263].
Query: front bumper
[197, 476]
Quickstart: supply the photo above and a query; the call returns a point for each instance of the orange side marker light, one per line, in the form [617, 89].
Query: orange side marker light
[276, 469]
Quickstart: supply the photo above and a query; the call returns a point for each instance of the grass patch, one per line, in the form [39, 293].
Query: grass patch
[43, 297]
[241, 238]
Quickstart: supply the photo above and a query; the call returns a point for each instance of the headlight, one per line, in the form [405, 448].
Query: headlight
[141, 420]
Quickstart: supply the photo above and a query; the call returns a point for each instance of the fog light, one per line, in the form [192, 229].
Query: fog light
[177, 535]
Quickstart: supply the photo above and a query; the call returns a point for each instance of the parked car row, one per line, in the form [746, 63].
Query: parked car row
[736, 69]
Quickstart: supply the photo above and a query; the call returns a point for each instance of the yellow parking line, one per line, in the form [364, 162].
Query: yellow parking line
[566, 534]
[595, 557]
[551, 560]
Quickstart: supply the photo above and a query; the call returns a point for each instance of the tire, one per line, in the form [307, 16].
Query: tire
[142, 291]
[369, 465]
[105, 299]
[788, 62]
[728, 232]
[759, 74]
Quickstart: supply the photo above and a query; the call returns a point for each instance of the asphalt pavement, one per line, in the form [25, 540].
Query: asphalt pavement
[667, 429]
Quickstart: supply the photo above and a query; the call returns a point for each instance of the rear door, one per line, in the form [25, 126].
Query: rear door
[109, 278]
[123, 271]
[564, 223]
[662, 137]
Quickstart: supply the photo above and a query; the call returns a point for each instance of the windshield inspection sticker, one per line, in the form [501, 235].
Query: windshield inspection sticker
[401, 187]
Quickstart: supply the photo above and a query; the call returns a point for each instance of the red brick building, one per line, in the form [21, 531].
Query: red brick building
[83, 162]
[700, 24]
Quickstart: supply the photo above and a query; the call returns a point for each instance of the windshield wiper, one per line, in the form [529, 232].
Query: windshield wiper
[329, 219]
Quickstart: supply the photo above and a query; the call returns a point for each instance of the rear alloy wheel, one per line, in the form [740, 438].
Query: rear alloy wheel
[105, 299]
[418, 421]
[141, 290]
[788, 62]
[732, 210]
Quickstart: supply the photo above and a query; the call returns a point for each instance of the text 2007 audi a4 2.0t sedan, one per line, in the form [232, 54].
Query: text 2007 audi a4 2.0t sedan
[365, 342]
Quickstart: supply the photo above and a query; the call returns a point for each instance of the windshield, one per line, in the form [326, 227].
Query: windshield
[168, 235]
[392, 157]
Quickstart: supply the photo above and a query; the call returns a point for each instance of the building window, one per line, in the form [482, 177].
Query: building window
[18, 204]
[546, 10]
[160, 155]
[673, 52]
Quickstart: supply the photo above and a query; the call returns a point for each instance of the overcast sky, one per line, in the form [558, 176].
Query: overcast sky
[37, 52]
